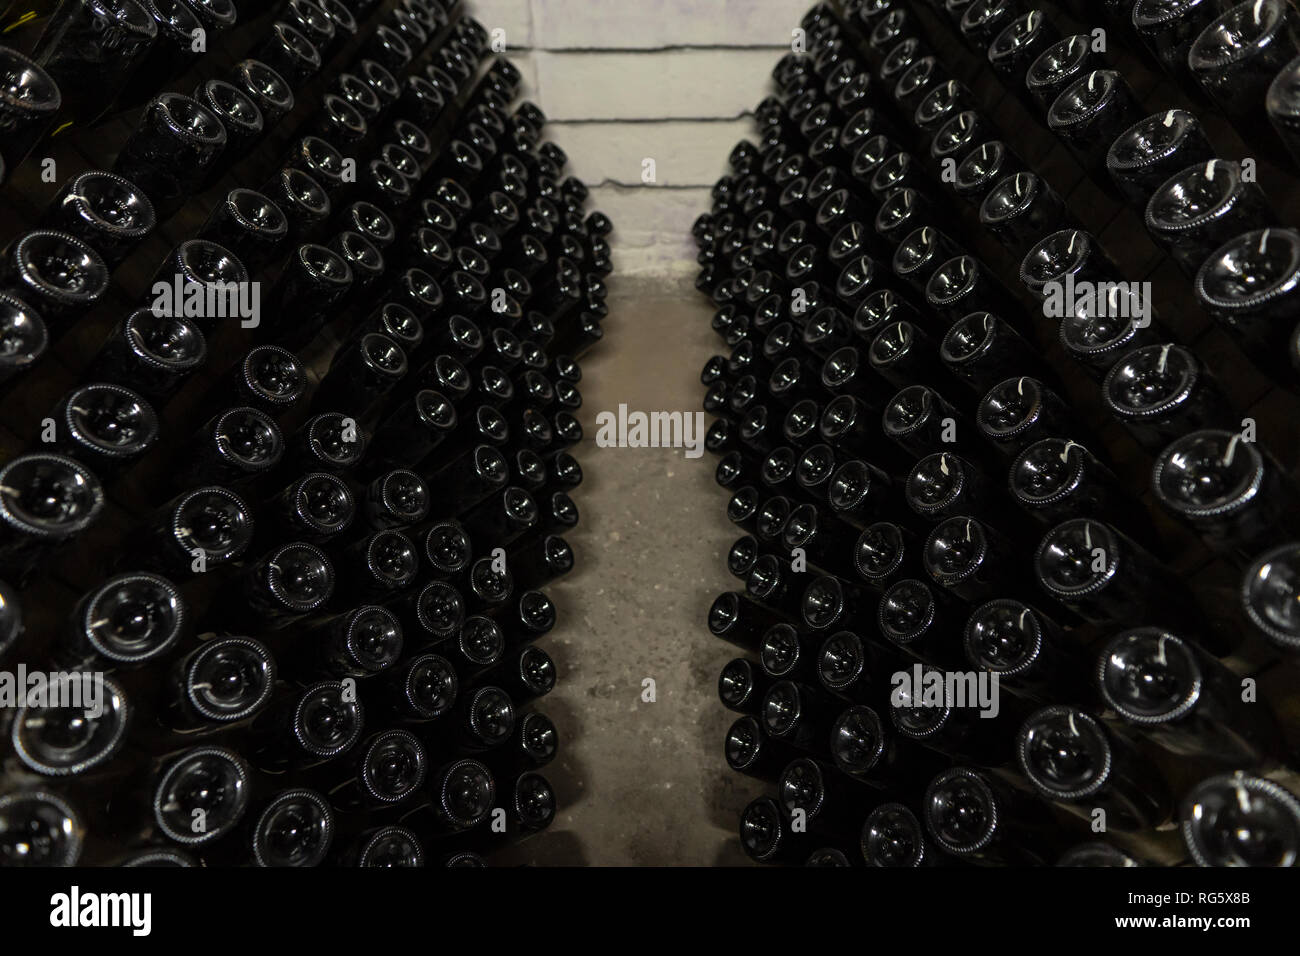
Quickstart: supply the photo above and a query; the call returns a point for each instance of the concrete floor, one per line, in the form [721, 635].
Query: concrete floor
[643, 784]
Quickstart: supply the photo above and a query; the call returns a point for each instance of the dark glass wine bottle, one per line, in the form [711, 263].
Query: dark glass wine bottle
[1234, 495]
[74, 736]
[1070, 758]
[34, 100]
[1199, 208]
[296, 828]
[108, 213]
[1249, 286]
[40, 828]
[1183, 699]
[1238, 819]
[1104, 576]
[169, 153]
[91, 49]
[55, 273]
[975, 816]
[45, 501]
[1236, 57]
[892, 836]
[215, 781]
[25, 336]
[1146, 154]
[1059, 66]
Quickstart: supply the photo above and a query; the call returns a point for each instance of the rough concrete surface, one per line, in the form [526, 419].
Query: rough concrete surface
[643, 783]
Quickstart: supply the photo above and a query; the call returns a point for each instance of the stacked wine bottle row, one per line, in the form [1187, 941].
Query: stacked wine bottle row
[273, 560]
[964, 444]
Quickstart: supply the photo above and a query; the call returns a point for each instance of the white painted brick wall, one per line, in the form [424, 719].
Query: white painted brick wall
[686, 153]
[640, 24]
[677, 84]
[623, 80]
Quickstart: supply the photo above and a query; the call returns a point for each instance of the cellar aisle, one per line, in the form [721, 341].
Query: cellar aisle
[642, 783]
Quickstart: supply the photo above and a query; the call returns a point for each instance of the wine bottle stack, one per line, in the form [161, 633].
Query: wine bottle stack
[294, 297]
[1006, 409]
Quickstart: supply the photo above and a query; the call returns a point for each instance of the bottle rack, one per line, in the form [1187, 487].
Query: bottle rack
[1093, 205]
[133, 494]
